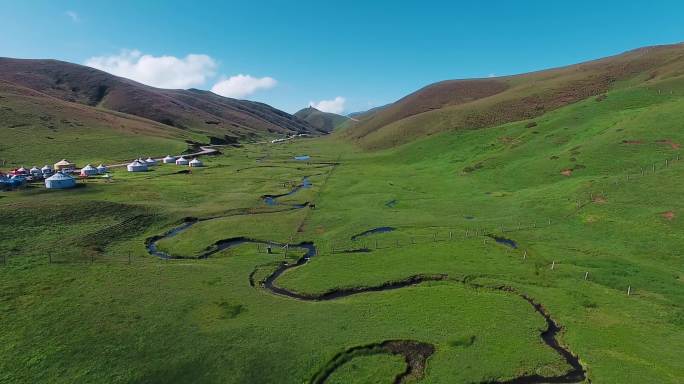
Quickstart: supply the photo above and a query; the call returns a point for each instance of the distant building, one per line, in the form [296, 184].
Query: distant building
[60, 181]
[36, 173]
[150, 162]
[182, 161]
[137, 166]
[64, 165]
[169, 159]
[101, 169]
[196, 163]
[47, 170]
[89, 170]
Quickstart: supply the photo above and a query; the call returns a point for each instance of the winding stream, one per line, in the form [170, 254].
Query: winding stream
[415, 353]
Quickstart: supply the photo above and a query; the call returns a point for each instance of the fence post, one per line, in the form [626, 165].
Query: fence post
[553, 265]
[629, 290]
[129, 257]
[586, 274]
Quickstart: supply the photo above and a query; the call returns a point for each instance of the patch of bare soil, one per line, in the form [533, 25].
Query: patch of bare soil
[566, 172]
[669, 215]
[669, 142]
[598, 199]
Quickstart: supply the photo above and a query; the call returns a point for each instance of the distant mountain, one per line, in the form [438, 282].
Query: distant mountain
[220, 119]
[359, 114]
[323, 121]
[479, 103]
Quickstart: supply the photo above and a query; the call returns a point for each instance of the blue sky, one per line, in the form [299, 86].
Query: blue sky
[364, 53]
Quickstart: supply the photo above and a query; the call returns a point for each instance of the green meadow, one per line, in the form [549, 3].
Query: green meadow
[589, 193]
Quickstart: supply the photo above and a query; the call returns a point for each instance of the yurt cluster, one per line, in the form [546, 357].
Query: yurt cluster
[59, 175]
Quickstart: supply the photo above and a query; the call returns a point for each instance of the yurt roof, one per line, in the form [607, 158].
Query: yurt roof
[136, 163]
[89, 167]
[196, 161]
[101, 167]
[34, 169]
[169, 157]
[59, 176]
[181, 158]
[46, 167]
[63, 162]
[21, 169]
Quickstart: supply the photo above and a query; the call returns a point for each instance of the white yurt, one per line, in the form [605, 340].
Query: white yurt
[88, 170]
[101, 169]
[47, 170]
[35, 172]
[169, 159]
[137, 166]
[182, 161]
[196, 163]
[60, 181]
[151, 162]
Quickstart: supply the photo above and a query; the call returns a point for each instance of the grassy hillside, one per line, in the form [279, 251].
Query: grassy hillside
[468, 104]
[323, 121]
[39, 129]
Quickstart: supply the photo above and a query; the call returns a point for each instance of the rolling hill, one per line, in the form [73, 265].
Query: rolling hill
[323, 121]
[478, 103]
[60, 91]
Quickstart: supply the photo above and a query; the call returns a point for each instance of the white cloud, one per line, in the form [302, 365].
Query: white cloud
[335, 105]
[73, 16]
[157, 71]
[240, 86]
[491, 75]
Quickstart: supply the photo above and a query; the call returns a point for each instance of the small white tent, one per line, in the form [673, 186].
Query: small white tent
[150, 162]
[47, 170]
[60, 181]
[182, 161]
[88, 170]
[137, 166]
[35, 172]
[169, 159]
[101, 169]
[196, 163]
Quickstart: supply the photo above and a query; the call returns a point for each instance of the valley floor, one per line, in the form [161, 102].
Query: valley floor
[95, 287]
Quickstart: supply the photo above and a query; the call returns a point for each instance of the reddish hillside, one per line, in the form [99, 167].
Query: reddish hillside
[478, 103]
[194, 110]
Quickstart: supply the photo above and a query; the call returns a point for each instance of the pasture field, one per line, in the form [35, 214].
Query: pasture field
[584, 199]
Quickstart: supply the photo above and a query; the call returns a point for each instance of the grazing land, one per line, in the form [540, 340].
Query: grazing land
[166, 276]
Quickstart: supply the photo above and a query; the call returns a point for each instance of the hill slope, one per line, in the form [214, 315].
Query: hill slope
[478, 103]
[323, 121]
[203, 112]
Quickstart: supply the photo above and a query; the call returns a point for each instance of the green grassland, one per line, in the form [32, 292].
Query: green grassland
[105, 310]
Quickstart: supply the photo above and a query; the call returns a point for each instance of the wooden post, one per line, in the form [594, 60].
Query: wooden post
[434, 236]
[629, 290]
[549, 221]
[553, 265]
[586, 274]
[287, 246]
[666, 162]
[525, 255]
[451, 235]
